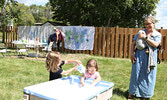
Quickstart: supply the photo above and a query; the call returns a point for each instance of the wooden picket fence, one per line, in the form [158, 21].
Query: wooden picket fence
[114, 42]
[9, 35]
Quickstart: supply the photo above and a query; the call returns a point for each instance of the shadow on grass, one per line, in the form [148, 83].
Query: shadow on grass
[119, 92]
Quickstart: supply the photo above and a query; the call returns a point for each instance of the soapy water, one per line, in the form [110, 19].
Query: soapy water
[71, 79]
[74, 81]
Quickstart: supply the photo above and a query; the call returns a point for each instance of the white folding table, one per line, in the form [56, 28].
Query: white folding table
[68, 88]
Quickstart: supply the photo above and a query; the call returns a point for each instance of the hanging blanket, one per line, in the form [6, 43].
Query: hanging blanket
[79, 37]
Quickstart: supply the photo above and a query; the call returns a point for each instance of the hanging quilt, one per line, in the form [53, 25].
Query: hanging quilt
[76, 37]
[79, 37]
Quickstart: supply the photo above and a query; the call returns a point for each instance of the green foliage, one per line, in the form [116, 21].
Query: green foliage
[39, 13]
[126, 13]
[19, 73]
[1, 3]
[21, 14]
[8, 13]
[25, 16]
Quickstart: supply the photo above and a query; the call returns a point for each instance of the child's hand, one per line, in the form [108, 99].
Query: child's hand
[78, 62]
[76, 66]
[82, 84]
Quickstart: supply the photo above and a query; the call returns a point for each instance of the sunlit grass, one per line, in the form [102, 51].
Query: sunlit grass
[15, 74]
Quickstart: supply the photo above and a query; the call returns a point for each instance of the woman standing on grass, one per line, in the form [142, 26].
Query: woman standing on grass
[143, 76]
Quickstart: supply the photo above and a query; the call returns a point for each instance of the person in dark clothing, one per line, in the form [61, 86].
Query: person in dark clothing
[52, 38]
[54, 65]
[56, 37]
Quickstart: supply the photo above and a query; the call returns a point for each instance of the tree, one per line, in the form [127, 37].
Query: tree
[25, 16]
[38, 12]
[12, 12]
[19, 14]
[2, 6]
[48, 13]
[41, 13]
[124, 13]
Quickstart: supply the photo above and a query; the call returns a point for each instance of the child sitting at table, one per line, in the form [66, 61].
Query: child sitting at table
[54, 65]
[91, 72]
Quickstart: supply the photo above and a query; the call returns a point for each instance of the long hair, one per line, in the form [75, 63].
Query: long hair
[92, 63]
[53, 61]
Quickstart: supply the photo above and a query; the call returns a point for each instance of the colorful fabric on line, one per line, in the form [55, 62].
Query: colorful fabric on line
[76, 37]
[79, 37]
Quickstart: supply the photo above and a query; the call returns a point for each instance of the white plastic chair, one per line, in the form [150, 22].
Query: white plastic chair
[47, 49]
[3, 50]
[21, 48]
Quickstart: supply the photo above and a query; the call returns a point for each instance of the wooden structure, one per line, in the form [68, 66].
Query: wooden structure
[114, 42]
[9, 35]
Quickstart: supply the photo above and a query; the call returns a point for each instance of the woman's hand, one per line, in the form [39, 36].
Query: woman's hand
[133, 59]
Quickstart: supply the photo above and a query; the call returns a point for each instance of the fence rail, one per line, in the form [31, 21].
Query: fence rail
[114, 42]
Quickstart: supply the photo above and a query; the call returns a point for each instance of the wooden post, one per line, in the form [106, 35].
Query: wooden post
[99, 41]
[112, 41]
[125, 43]
[163, 44]
[95, 41]
[121, 44]
[116, 41]
[103, 41]
[165, 48]
[129, 42]
[107, 41]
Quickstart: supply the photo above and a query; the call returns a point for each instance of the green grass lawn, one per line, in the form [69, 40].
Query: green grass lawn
[15, 74]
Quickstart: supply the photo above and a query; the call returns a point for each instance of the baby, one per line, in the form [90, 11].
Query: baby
[141, 43]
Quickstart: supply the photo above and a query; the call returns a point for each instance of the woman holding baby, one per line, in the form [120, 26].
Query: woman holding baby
[144, 63]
